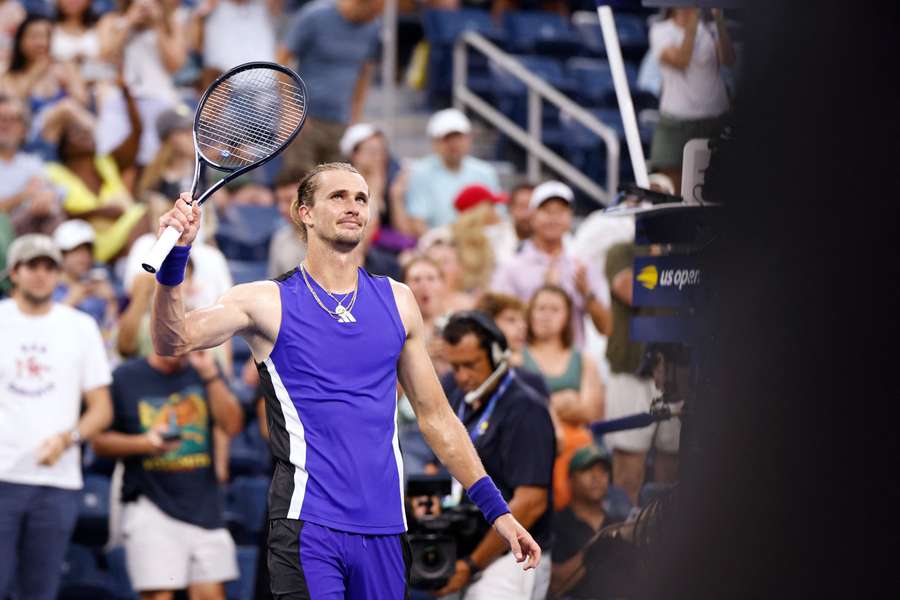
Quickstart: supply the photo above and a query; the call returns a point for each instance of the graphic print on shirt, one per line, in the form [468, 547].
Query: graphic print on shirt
[33, 374]
[186, 411]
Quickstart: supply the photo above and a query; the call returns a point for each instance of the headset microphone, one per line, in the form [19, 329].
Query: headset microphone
[493, 378]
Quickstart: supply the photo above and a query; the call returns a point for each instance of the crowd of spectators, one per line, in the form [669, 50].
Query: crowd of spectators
[95, 143]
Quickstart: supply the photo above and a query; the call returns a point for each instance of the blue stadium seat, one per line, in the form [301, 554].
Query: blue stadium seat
[245, 231]
[97, 465]
[118, 573]
[243, 271]
[442, 28]
[631, 30]
[246, 506]
[92, 527]
[542, 33]
[244, 587]
[82, 578]
[249, 453]
[512, 97]
[593, 81]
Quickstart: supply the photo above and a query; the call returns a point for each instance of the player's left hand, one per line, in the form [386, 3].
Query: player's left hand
[523, 546]
[460, 579]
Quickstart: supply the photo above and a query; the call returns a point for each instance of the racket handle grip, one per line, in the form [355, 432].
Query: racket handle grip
[161, 249]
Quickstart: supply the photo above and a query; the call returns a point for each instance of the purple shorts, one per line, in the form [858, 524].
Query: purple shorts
[309, 561]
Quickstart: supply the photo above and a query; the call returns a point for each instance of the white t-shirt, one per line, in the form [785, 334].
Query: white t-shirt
[697, 92]
[238, 32]
[47, 362]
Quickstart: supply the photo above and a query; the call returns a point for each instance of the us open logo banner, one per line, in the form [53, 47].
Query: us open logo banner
[666, 281]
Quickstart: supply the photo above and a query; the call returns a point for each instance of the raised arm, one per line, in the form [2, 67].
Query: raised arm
[679, 56]
[238, 311]
[443, 431]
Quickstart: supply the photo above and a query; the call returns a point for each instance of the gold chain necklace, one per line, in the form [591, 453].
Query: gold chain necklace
[341, 314]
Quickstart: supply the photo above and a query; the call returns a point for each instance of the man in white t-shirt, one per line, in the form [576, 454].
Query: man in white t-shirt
[52, 356]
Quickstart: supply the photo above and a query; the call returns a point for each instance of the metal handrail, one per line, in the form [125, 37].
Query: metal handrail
[538, 90]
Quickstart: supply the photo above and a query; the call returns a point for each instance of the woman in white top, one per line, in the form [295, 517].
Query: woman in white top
[147, 39]
[690, 53]
[75, 39]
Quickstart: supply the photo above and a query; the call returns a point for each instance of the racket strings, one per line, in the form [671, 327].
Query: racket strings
[248, 117]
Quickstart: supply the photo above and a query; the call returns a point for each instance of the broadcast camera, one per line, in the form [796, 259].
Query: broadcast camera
[440, 536]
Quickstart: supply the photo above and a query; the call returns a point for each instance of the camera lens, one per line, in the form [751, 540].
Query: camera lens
[431, 557]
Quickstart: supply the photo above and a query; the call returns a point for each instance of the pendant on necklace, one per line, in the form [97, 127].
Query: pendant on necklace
[344, 315]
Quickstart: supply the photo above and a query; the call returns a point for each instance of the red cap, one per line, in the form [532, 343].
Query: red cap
[473, 195]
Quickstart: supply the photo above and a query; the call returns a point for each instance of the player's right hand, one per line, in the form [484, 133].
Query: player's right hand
[184, 217]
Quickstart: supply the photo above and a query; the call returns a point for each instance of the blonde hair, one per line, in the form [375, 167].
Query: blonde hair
[476, 256]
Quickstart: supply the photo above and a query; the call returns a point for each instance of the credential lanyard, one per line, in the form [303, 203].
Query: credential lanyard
[482, 423]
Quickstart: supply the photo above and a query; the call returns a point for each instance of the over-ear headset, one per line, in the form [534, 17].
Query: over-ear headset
[494, 343]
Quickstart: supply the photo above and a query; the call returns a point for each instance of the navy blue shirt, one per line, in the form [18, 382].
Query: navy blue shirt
[182, 483]
[517, 446]
[330, 52]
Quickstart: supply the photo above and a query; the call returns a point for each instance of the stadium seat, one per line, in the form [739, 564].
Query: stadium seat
[593, 81]
[92, 527]
[243, 271]
[442, 28]
[249, 453]
[118, 572]
[244, 587]
[82, 578]
[540, 32]
[631, 30]
[245, 231]
[245, 507]
[97, 465]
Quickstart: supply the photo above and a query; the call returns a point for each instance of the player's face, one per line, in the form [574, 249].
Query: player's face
[549, 315]
[36, 279]
[341, 210]
[511, 322]
[590, 484]
[469, 362]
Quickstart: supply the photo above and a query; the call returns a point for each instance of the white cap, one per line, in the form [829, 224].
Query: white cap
[551, 189]
[355, 135]
[68, 235]
[30, 246]
[447, 121]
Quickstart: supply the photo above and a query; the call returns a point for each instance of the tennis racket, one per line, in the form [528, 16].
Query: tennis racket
[244, 119]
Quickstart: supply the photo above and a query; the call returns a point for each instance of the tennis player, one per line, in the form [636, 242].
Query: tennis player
[330, 341]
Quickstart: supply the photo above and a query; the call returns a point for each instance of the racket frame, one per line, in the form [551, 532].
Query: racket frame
[170, 236]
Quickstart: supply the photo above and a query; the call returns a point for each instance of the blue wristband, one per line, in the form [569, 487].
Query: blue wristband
[171, 271]
[488, 499]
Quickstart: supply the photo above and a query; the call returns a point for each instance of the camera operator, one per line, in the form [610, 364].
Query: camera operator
[512, 432]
